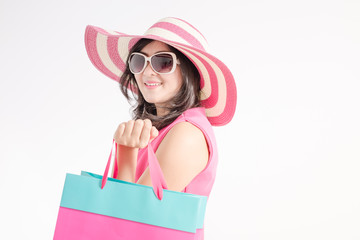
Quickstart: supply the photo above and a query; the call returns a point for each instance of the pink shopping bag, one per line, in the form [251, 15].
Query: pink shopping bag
[96, 207]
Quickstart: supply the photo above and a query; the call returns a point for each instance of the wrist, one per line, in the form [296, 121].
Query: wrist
[127, 155]
[127, 162]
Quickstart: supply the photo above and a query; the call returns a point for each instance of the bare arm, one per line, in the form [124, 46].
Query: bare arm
[182, 155]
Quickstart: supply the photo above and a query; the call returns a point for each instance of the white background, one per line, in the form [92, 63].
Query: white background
[289, 160]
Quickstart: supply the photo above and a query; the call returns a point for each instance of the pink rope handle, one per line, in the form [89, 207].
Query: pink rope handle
[115, 164]
[156, 174]
[104, 178]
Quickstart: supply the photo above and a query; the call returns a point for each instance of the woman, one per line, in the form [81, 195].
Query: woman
[180, 92]
[183, 153]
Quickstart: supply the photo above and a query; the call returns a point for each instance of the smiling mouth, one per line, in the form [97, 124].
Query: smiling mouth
[152, 84]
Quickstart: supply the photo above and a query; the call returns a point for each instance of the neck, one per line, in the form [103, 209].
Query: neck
[161, 111]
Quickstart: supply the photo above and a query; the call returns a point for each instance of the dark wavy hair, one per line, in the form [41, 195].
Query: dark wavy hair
[187, 97]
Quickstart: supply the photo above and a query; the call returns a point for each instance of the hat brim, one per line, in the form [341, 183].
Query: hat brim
[108, 51]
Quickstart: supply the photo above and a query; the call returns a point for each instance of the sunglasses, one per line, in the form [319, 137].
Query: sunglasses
[161, 63]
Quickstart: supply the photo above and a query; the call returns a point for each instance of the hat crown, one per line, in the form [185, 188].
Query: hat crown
[179, 31]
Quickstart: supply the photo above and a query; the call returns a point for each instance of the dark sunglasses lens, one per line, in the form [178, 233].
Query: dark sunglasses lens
[136, 63]
[162, 63]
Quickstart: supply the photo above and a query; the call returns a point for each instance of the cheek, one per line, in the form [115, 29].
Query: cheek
[178, 80]
[138, 80]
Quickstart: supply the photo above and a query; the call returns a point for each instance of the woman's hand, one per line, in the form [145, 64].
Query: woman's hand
[135, 133]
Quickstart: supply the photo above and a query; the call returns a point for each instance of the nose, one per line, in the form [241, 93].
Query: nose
[148, 69]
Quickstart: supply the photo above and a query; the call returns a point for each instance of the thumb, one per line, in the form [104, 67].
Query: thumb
[154, 133]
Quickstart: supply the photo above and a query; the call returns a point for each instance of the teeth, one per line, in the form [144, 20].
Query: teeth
[152, 84]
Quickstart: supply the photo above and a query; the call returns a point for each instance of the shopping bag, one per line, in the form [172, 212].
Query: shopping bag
[100, 207]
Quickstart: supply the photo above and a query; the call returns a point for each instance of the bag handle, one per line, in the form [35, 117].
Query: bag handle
[157, 177]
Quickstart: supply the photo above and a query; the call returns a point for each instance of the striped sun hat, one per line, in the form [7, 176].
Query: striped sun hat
[108, 51]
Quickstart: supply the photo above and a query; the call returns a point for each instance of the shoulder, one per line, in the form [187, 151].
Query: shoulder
[185, 131]
[184, 136]
[183, 152]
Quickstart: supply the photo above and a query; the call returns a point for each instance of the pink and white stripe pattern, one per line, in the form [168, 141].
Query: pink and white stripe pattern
[108, 51]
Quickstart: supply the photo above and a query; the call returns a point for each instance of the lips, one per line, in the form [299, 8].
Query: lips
[152, 84]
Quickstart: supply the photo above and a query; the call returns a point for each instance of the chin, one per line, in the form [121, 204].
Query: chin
[151, 100]
[155, 101]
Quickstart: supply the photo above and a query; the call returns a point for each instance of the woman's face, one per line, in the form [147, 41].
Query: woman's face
[156, 88]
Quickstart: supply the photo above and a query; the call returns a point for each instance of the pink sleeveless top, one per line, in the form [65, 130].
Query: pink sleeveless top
[204, 181]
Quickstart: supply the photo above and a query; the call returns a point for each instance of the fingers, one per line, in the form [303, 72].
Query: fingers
[154, 132]
[129, 128]
[137, 129]
[119, 131]
[136, 133]
[145, 134]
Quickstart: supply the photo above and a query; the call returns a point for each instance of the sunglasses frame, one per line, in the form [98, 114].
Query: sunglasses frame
[148, 59]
